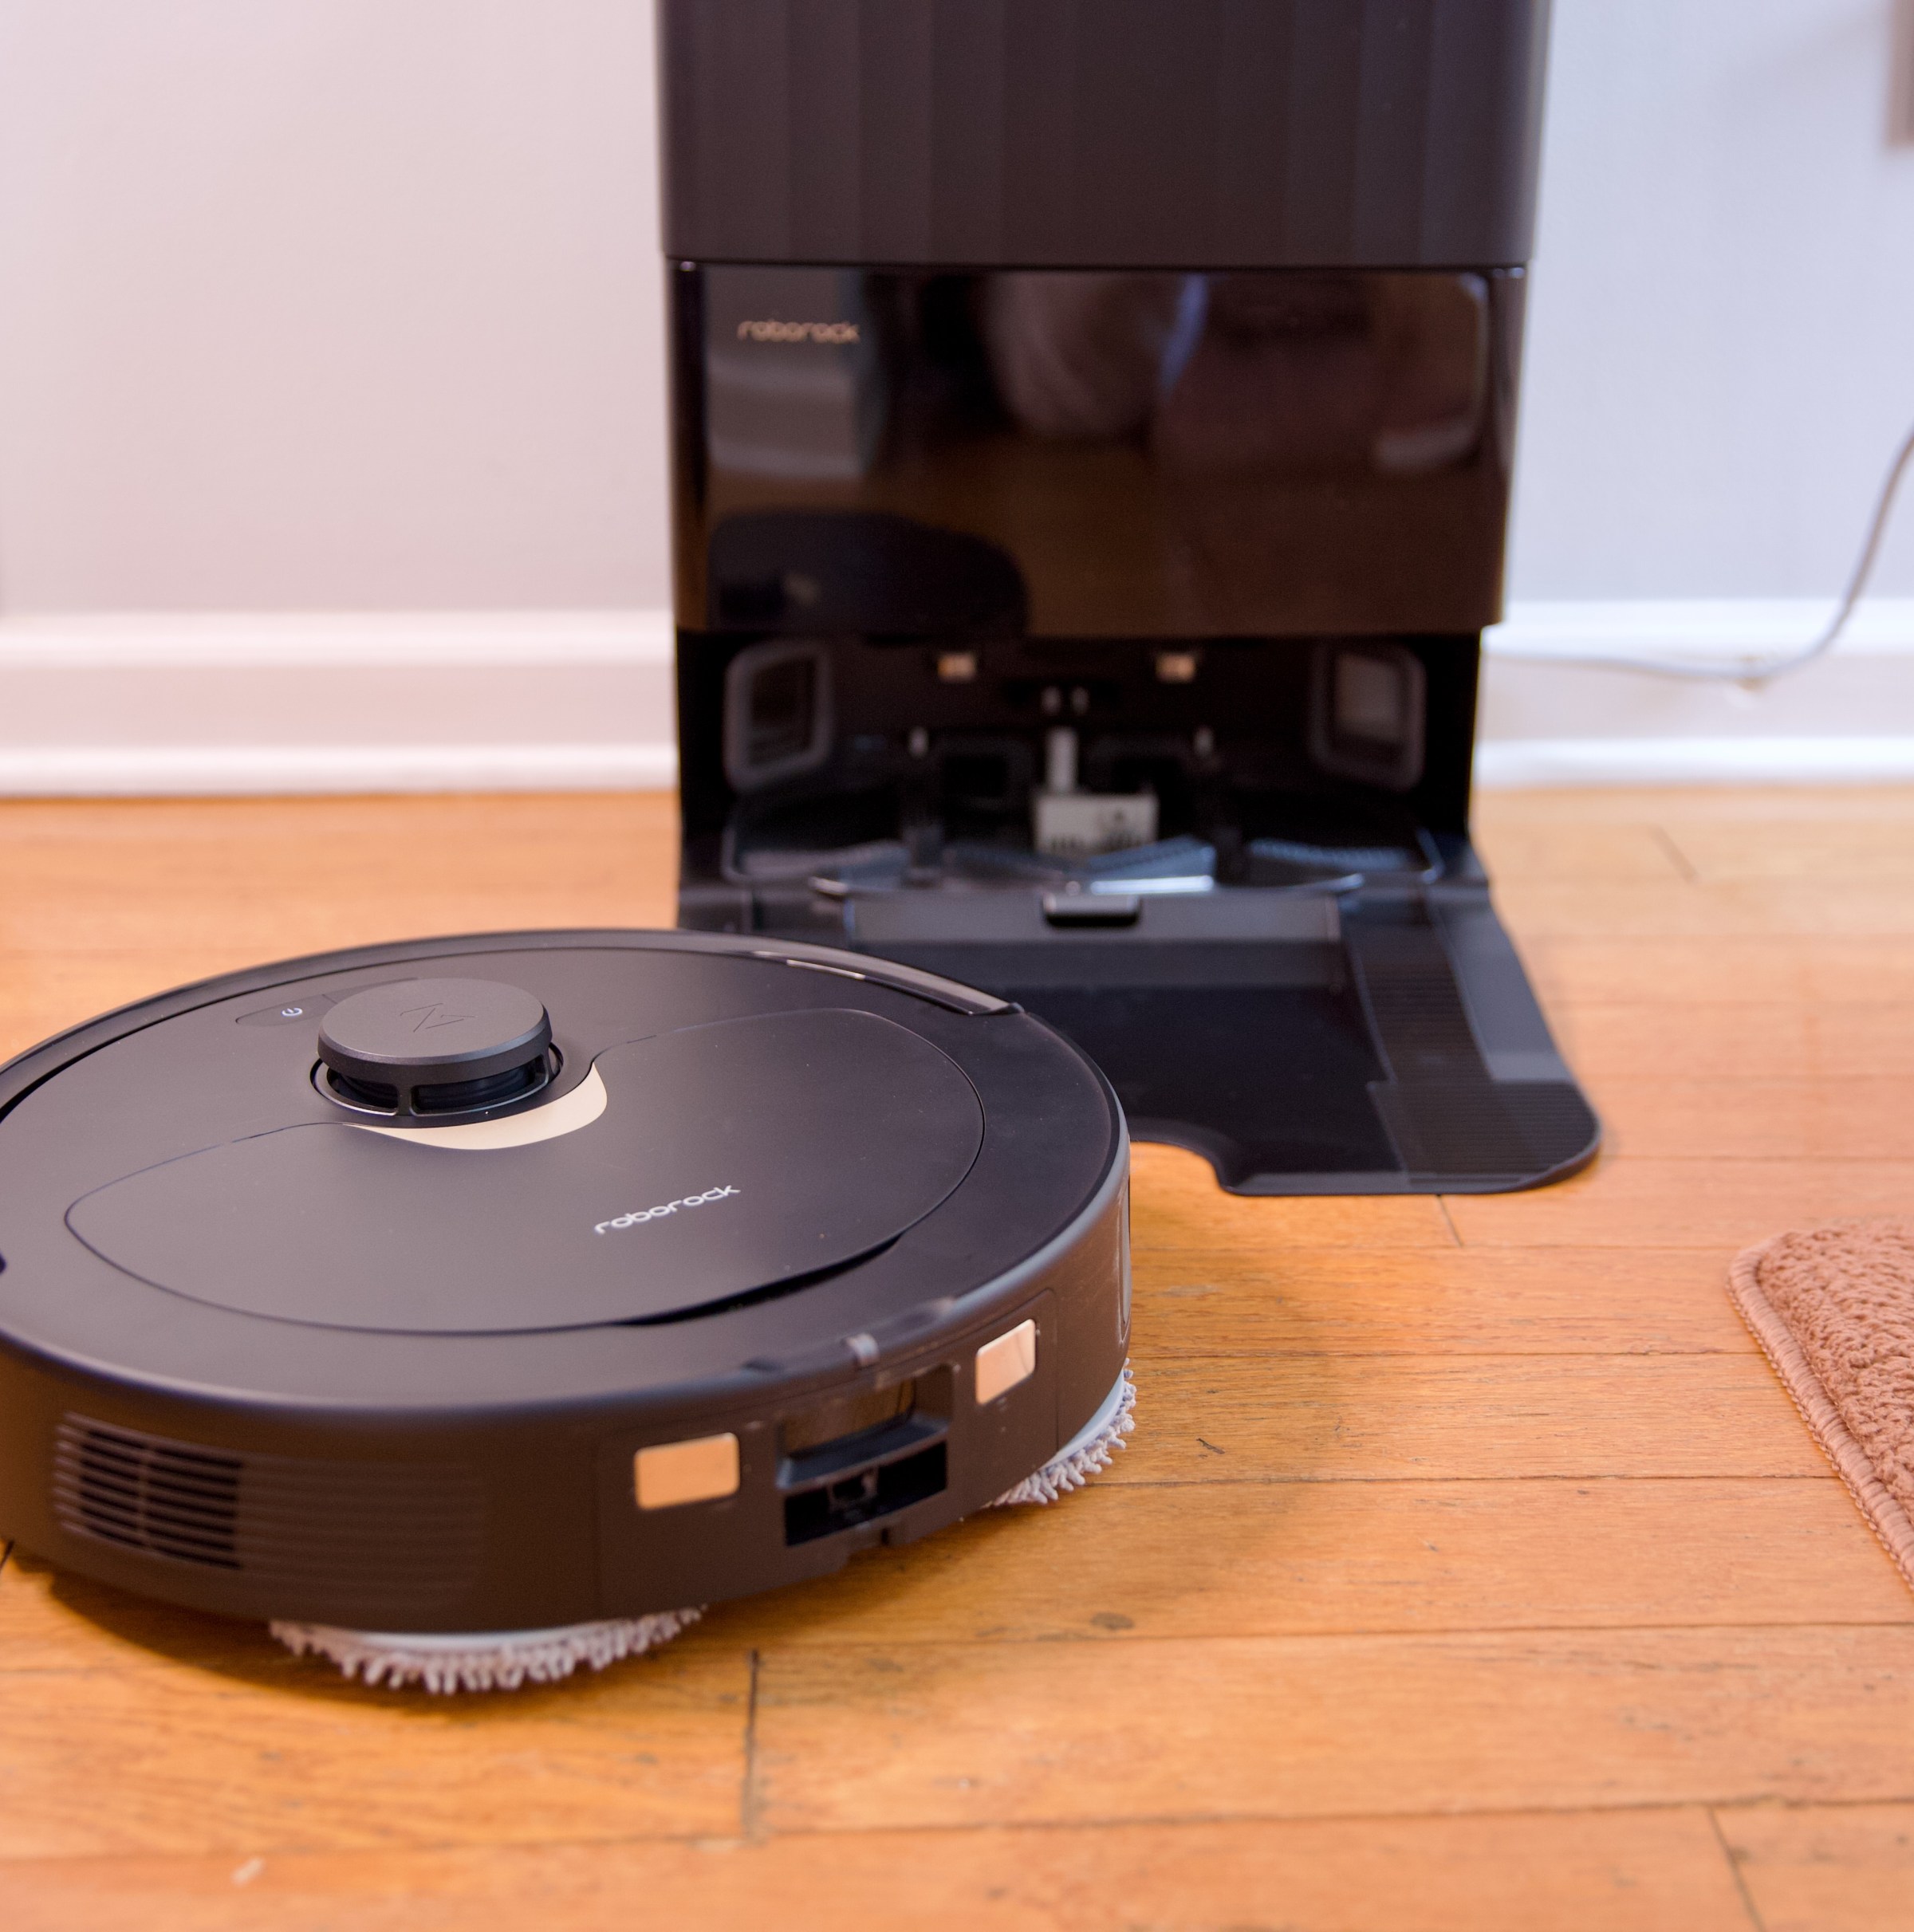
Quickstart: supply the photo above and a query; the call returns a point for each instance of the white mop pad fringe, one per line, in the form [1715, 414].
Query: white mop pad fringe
[503, 1660]
[500, 1661]
[1090, 1450]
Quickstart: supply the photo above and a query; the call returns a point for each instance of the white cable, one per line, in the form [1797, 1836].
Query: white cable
[1754, 670]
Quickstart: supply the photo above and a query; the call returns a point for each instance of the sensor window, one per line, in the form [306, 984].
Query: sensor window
[1003, 1363]
[845, 1418]
[776, 713]
[697, 1471]
[1367, 714]
[1372, 702]
[783, 711]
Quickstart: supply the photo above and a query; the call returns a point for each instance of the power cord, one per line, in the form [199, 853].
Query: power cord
[1756, 671]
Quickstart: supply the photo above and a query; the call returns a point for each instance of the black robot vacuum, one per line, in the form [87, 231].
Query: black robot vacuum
[473, 1308]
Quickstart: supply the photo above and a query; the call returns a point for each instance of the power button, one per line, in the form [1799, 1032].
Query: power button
[307, 1006]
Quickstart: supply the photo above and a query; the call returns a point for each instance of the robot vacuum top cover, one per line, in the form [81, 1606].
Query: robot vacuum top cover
[520, 1280]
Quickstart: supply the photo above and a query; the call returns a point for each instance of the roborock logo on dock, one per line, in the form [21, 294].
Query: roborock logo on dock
[773, 331]
[639, 1215]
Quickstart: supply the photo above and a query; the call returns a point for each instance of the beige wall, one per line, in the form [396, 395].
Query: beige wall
[328, 304]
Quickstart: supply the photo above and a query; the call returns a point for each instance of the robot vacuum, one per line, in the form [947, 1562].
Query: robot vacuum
[474, 1307]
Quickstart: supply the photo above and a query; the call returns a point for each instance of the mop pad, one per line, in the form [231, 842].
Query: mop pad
[1832, 1308]
[1090, 1450]
[504, 1660]
[497, 1660]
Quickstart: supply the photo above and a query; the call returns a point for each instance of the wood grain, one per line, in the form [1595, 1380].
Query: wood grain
[1750, 969]
[1521, 848]
[1855, 1117]
[1820, 1868]
[1468, 1568]
[1587, 1871]
[1701, 1203]
[105, 903]
[1743, 1040]
[1733, 909]
[1323, 1726]
[1318, 1419]
[1881, 806]
[1348, 1301]
[1872, 850]
[241, 1756]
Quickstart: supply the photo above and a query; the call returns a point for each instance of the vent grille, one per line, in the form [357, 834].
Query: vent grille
[145, 1493]
[340, 1540]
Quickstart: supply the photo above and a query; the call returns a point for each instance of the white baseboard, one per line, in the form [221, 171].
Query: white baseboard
[182, 640]
[107, 704]
[1505, 763]
[132, 704]
[147, 771]
[1552, 723]
[1701, 629]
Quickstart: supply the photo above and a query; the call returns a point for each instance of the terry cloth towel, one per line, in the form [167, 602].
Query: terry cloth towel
[1832, 1308]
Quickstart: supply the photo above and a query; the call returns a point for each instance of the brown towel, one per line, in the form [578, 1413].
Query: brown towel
[1833, 1307]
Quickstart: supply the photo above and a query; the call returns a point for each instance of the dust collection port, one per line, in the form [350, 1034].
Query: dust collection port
[852, 1457]
[860, 1495]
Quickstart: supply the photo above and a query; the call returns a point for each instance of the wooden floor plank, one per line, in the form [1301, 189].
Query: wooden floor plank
[1728, 909]
[1744, 1041]
[1873, 853]
[1817, 1868]
[1703, 1202]
[1865, 1119]
[1762, 968]
[107, 904]
[1589, 1871]
[1866, 845]
[273, 1754]
[1296, 1300]
[1578, 848]
[1326, 1726]
[1746, 806]
[1318, 1419]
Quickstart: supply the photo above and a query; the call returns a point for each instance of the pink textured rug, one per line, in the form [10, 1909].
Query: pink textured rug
[1832, 1308]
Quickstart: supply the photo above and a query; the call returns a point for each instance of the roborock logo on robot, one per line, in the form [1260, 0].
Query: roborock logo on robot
[639, 1215]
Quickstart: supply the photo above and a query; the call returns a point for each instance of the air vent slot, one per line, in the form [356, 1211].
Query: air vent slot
[448, 1096]
[384, 1544]
[146, 1493]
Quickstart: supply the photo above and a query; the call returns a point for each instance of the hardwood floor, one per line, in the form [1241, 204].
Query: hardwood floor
[1468, 1568]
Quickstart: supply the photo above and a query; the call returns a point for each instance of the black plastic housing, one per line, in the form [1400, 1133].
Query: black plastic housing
[1144, 371]
[1206, 134]
[309, 1469]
